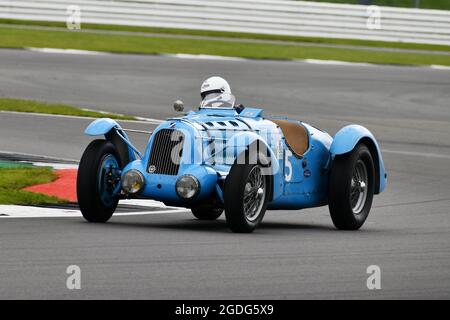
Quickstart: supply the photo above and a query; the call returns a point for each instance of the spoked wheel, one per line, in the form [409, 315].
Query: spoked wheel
[254, 194]
[351, 188]
[245, 195]
[358, 187]
[98, 181]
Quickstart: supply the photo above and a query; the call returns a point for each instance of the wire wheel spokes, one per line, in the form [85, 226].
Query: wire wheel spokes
[359, 187]
[254, 193]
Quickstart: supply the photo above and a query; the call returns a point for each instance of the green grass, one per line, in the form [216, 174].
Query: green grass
[234, 35]
[424, 4]
[18, 38]
[19, 105]
[13, 180]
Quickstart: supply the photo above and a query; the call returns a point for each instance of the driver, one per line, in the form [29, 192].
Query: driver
[217, 91]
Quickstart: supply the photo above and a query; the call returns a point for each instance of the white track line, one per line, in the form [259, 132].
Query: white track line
[139, 119]
[11, 211]
[142, 119]
[337, 63]
[438, 67]
[225, 58]
[32, 155]
[68, 51]
[204, 57]
[56, 166]
[145, 203]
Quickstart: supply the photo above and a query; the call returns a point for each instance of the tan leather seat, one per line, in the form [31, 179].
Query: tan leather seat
[296, 136]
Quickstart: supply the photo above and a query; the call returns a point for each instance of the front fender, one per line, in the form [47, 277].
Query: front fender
[101, 127]
[244, 141]
[348, 137]
[114, 133]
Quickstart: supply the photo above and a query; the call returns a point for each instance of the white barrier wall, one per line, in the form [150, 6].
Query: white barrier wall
[277, 17]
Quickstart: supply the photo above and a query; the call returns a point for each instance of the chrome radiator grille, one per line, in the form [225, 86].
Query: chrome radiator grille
[166, 152]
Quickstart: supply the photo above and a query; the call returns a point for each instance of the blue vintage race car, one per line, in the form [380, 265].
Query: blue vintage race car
[233, 159]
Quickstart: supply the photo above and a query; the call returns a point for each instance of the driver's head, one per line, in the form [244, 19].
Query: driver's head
[214, 86]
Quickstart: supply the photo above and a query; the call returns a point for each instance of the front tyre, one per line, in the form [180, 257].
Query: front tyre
[206, 212]
[351, 188]
[246, 196]
[98, 181]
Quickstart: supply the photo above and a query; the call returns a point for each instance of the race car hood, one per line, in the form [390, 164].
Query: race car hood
[224, 119]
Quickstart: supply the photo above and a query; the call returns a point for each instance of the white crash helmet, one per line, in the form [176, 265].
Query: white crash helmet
[216, 93]
[214, 85]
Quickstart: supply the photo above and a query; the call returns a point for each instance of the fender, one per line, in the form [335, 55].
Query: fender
[101, 127]
[113, 132]
[243, 141]
[346, 140]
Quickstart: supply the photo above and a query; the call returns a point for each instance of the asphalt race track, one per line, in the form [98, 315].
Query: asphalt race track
[293, 254]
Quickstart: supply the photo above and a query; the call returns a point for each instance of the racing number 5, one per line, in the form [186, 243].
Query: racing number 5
[287, 165]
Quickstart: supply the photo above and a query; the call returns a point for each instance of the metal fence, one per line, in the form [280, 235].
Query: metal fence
[275, 17]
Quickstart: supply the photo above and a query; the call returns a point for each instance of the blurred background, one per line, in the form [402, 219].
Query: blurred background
[425, 4]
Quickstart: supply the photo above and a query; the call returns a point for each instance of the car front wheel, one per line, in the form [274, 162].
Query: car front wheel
[98, 181]
[246, 196]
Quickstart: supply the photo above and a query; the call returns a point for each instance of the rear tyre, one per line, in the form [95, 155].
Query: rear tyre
[351, 188]
[206, 212]
[246, 195]
[98, 180]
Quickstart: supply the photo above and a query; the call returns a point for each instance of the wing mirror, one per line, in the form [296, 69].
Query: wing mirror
[178, 106]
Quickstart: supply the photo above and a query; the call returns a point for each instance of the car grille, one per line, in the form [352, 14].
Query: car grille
[166, 152]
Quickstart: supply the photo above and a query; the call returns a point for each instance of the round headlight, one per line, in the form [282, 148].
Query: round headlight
[187, 187]
[132, 181]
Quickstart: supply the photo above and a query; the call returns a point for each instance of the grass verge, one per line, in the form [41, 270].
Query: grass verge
[19, 105]
[233, 35]
[12, 180]
[19, 38]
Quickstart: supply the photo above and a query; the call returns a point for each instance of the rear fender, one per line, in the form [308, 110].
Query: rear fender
[114, 133]
[346, 140]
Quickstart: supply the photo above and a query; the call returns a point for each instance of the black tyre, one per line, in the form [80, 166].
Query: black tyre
[98, 180]
[246, 193]
[206, 212]
[351, 188]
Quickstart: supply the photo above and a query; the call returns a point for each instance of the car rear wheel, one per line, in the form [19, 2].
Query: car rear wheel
[246, 195]
[206, 212]
[351, 188]
[98, 181]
